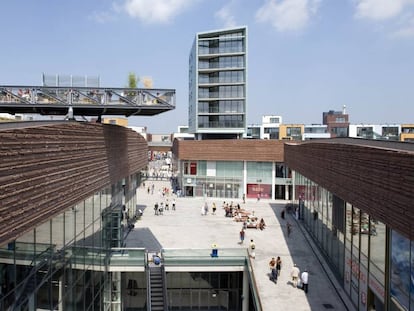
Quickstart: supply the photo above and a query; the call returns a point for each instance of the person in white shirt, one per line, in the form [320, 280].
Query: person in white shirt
[295, 273]
[305, 280]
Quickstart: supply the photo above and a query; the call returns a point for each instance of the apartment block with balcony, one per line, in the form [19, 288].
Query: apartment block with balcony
[337, 122]
[407, 132]
[291, 131]
[218, 84]
[375, 131]
[315, 131]
[269, 129]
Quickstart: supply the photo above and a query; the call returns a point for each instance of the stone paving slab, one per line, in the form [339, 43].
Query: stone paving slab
[186, 228]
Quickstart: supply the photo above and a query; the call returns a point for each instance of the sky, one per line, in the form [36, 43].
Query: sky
[304, 56]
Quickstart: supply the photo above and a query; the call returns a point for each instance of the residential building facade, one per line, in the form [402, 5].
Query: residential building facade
[315, 131]
[407, 132]
[375, 131]
[218, 84]
[291, 131]
[337, 122]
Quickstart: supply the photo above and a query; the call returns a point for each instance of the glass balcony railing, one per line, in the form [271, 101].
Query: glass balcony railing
[203, 257]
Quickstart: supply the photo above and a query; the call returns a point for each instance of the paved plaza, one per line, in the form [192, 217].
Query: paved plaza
[187, 228]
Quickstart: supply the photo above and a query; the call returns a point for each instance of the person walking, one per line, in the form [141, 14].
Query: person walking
[156, 208]
[173, 204]
[242, 234]
[273, 271]
[252, 249]
[289, 228]
[305, 280]
[214, 208]
[295, 275]
[278, 265]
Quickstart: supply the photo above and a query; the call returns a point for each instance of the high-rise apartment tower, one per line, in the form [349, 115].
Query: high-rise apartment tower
[218, 84]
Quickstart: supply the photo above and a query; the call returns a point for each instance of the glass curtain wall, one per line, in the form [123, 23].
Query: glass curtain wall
[353, 242]
[216, 179]
[259, 180]
[355, 245]
[54, 265]
[205, 290]
[401, 272]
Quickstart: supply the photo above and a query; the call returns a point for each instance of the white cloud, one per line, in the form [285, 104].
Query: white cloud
[399, 13]
[156, 11]
[288, 15]
[225, 16]
[380, 9]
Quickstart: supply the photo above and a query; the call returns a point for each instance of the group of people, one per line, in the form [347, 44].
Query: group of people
[300, 280]
[231, 210]
[275, 266]
[159, 208]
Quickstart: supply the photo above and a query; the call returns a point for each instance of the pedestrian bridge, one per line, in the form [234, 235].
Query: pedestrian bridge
[85, 101]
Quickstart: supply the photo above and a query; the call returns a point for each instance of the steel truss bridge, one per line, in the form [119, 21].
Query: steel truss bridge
[85, 101]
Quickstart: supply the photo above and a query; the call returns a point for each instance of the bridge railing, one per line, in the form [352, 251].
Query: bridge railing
[78, 96]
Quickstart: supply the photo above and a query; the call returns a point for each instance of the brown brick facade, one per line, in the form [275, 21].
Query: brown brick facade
[229, 150]
[46, 169]
[378, 177]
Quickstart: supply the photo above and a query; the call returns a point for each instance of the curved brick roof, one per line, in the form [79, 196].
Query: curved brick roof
[48, 168]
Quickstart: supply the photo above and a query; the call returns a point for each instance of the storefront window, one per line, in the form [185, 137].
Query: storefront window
[205, 290]
[190, 168]
[400, 270]
[229, 169]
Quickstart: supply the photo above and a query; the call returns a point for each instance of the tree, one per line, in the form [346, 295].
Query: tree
[132, 80]
[132, 83]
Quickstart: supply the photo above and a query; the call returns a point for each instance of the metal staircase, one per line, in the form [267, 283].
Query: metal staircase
[157, 290]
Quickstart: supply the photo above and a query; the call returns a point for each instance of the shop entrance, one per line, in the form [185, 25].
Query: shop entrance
[189, 191]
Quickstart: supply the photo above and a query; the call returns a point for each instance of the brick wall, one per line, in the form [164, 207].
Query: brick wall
[229, 150]
[376, 179]
[46, 169]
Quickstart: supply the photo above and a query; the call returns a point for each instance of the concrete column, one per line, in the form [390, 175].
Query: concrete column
[245, 294]
[273, 180]
[60, 294]
[245, 178]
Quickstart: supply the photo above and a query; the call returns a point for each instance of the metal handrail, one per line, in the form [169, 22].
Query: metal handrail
[257, 300]
[148, 282]
[164, 287]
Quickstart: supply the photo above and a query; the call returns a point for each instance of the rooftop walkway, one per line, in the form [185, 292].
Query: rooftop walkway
[186, 228]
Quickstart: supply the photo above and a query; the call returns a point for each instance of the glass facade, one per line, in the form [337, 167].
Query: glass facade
[221, 106]
[218, 84]
[354, 244]
[259, 179]
[58, 264]
[205, 290]
[213, 179]
[232, 179]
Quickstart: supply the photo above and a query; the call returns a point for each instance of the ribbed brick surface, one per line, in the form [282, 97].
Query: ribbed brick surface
[47, 169]
[229, 150]
[376, 179]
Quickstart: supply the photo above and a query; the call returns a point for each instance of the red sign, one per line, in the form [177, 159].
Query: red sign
[264, 191]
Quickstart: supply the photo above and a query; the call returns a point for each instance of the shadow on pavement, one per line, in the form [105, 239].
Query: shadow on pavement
[143, 237]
